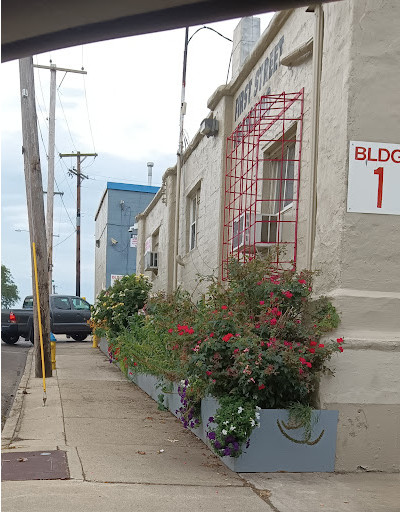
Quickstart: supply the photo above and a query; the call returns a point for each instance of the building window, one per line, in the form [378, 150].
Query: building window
[279, 178]
[193, 200]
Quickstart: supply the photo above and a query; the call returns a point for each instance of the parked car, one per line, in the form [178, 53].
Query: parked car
[69, 315]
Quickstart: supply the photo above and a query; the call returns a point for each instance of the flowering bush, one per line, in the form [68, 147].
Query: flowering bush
[235, 420]
[254, 343]
[116, 306]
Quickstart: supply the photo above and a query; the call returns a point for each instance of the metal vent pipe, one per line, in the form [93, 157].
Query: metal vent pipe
[149, 172]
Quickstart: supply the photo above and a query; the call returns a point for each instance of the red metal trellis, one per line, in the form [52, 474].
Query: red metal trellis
[263, 157]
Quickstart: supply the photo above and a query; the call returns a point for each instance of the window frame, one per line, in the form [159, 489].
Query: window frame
[193, 207]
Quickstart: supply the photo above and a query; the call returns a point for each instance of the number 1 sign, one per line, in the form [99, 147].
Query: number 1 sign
[374, 178]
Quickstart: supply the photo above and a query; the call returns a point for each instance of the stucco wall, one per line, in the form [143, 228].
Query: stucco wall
[100, 249]
[357, 254]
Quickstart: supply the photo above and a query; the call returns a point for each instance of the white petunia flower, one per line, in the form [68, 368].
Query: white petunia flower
[252, 422]
[240, 409]
[226, 422]
[258, 408]
[224, 432]
[232, 428]
[257, 415]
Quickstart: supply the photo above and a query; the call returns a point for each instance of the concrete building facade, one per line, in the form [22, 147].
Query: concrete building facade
[312, 106]
[115, 231]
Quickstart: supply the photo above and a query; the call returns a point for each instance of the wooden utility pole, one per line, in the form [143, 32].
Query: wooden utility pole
[79, 178]
[34, 197]
[50, 178]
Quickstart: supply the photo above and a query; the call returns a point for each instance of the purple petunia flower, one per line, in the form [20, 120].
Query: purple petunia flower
[227, 451]
[217, 444]
[211, 419]
[236, 446]
[211, 435]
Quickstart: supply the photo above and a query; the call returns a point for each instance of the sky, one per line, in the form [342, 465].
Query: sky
[126, 109]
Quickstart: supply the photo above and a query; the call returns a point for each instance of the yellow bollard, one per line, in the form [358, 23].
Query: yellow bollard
[53, 354]
[94, 341]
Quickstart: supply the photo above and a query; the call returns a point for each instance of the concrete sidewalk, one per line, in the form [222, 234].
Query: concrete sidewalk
[125, 455]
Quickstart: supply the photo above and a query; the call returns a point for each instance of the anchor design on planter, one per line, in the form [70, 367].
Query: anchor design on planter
[306, 439]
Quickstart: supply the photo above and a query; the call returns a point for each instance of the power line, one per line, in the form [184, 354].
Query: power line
[70, 235]
[87, 110]
[65, 117]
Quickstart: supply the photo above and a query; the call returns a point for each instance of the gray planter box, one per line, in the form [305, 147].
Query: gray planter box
[275, 446]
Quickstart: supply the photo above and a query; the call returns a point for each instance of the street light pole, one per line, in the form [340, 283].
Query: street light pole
[180, 147]
[179, 161]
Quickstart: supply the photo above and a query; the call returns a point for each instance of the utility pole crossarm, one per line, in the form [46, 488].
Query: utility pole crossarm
[61, 155]
[83, 72]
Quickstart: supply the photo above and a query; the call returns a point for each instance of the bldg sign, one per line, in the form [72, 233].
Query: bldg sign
[115, 277]
[374, 178]
[260, 78]
[134, 241]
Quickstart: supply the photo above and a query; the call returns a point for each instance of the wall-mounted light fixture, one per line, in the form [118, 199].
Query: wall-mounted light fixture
[209, 127]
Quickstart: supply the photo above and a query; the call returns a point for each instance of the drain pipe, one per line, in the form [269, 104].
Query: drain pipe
[316, 94]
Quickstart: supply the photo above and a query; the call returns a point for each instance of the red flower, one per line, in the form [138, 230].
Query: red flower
[262, 302]
[341, 349]
[236, 351]
[312, 350]
[302, 282]
[302, 360]
[261, 387]
[288, 294]
[170, 330]
[309, 365]
[271, 294]
[224, 307]
[190, 331]
[313, 343]
[273, 321]
[211, 335]
[339, 340]
[135, 364]
[227, 337]
[321, 345]
[208, 373]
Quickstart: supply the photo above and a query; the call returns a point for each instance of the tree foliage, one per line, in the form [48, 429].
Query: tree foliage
[9, 291]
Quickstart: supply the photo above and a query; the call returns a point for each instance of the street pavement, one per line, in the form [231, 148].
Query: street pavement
[13, 359]
[125, 455]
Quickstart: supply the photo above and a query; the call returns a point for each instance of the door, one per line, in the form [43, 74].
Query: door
[62, 314]
[82, 313]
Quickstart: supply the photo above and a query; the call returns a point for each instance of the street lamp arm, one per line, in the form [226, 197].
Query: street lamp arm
[209, 28]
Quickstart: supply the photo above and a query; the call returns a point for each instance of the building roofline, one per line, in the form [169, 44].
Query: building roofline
[275, 25]
[117, 186]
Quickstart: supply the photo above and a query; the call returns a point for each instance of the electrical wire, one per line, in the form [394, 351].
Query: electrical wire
[87, 110]
[66, 238]
[209, 28]
[65, 117]
[62, 201]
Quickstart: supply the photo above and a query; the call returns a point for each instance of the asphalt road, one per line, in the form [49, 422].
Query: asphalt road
[13, 360]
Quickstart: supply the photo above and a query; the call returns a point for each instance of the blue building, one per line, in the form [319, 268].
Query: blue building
[115, 232]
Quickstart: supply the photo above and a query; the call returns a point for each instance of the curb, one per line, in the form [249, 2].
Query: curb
[11, 425]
